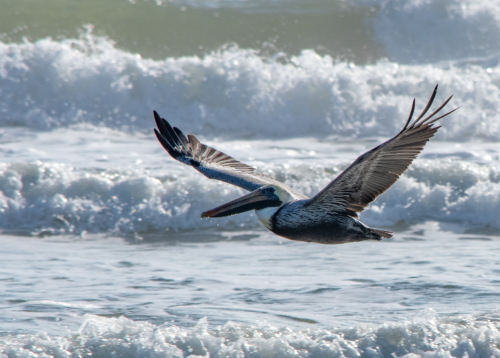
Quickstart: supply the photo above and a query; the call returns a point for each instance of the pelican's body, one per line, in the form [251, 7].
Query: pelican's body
[330, 217]
[295, 221]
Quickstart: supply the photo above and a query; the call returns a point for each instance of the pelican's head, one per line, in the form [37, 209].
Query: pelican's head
[266, 201]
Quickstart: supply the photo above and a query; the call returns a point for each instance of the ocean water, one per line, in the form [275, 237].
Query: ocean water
[103, 252]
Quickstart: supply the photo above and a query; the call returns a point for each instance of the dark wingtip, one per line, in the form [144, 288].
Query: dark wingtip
[412, 110]
[164, 136]
[157, 116]
[444, 115]
[158, 120]
[427, 106]
[164, 143]
[167, 131]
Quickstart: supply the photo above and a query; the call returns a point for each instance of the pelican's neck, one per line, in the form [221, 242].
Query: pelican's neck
[266, 214]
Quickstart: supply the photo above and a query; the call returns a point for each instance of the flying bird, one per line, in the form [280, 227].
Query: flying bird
[329, 217]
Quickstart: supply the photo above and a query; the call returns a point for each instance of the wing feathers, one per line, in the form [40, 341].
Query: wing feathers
[209, 161]
[378, 169]
[351, 192]
[182, 138]
[427, 106]
[410, 116]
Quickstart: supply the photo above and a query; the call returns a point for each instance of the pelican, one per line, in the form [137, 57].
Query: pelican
[329, 217]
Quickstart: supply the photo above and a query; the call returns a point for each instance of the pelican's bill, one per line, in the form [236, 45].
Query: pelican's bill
[258, 199]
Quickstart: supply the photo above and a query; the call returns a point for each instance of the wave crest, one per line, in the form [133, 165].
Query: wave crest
[43, 199]
[235, 92]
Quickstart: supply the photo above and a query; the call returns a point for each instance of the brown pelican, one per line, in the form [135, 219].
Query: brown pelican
[330, 217]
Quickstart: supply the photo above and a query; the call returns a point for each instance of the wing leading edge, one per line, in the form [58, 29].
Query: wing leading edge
[209, 161]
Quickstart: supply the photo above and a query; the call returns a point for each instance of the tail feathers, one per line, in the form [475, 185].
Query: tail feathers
[382, 233]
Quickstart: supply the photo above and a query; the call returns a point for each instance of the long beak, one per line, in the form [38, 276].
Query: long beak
[255, 200]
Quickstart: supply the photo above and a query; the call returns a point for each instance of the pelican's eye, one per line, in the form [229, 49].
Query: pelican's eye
[268, 191]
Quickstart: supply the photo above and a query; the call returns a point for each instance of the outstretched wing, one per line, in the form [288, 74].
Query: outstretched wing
[375, 171]
[208, 161]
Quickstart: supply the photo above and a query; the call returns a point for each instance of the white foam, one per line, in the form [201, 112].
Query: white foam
[235, 92]
[441, 190]
[44, 198]
[50, 199]
[424, 336]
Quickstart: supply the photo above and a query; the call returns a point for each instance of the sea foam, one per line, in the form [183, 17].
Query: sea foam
[46, 198]
[424, 336]
[236, 92]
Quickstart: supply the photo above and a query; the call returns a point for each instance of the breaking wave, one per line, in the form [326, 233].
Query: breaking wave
[424, 336]
[236, 92]
[43, 199]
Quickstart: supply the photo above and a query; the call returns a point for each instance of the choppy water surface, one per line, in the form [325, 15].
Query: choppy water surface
[103, 252]
[263, 283]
